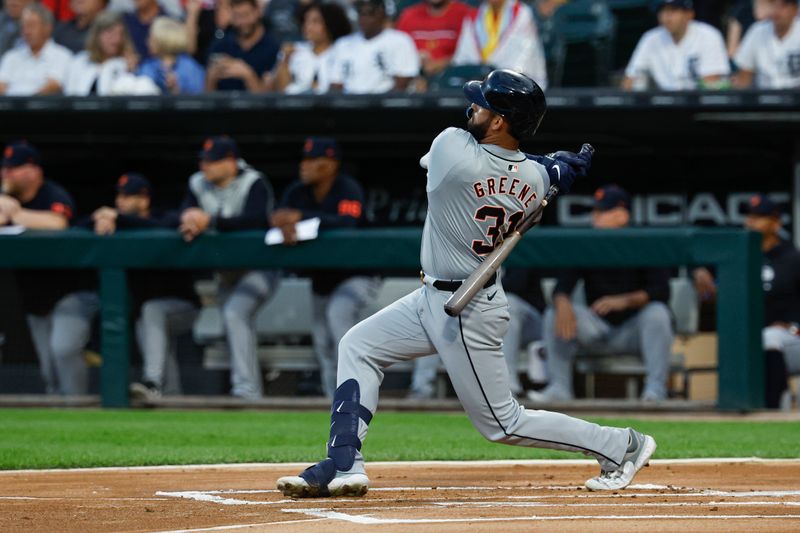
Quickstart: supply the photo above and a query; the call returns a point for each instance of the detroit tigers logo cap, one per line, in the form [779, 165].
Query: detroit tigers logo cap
[133, 183]
[20, 153]
[761, 205]
[219, 148]
[610, 196]
[322, 147]
[680, 4]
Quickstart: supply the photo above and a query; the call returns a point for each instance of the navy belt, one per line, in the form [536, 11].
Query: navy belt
[453, 285]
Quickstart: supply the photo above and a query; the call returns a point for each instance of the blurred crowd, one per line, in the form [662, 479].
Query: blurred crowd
[124, 47]
[623, 311]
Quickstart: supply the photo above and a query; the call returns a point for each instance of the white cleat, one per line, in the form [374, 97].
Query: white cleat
[632, 462]
[341, 485]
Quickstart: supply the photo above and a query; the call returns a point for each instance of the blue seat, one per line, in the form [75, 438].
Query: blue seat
[588, 30]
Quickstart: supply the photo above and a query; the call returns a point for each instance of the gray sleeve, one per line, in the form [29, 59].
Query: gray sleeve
[449, 148]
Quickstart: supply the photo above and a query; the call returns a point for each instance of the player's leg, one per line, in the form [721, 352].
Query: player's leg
[392, 335]
[470, 346]
[41, 326]
[238, 313]
[423, 377]
[324, 348]
[590, 329]
[72, 326]
[524, 327]
[782, 359]
[655, 339]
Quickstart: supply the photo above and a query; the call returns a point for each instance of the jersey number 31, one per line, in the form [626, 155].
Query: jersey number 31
[493, 232]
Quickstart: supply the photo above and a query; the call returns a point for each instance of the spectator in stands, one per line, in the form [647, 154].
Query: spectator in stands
[74, 33]
[59, 305]
[376, 59]
[435, 26]
[780, 276]
[627, 313]
[680, 54]
[108, 56]
[40, 65]
[227, 194]
[503, 33]
[164, 300]
[306, 67]
[61, 9]
[324, 192]
[10, 24]
[238, 60]
[170, 67]
[206, 20]
[743, 15]
[139, 22]
[770, 51]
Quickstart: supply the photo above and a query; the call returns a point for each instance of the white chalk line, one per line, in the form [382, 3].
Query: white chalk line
[83, 498]
[438, 464]
[370, 520]
[243, 526]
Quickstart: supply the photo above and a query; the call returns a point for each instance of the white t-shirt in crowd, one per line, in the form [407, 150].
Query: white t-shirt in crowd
[370, 65]
[775, 62]
[679, 66]
[311, 73]
[25, 74]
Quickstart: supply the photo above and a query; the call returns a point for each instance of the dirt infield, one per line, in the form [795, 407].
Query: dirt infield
[739, 495]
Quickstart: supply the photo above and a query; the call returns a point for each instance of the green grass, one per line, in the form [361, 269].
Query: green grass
[39, 438]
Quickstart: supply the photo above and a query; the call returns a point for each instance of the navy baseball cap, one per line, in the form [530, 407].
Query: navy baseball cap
[760, 205]
[321, 147]
[21, 153]
[219, 148]
[680, 4]
[133, 183]
[608, 197]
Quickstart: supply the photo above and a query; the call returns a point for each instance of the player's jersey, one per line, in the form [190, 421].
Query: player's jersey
[679, 66]
[476, 192]
[775, 62]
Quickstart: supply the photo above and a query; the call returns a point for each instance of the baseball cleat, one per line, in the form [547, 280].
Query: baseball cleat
[341, 485]
[632, 462]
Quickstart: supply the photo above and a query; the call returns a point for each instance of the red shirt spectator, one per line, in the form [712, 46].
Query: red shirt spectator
[61, 9]
[435, 26]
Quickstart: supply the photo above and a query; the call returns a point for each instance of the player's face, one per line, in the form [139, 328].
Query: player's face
[18, 180]
[132, 204]
[314, 27]
[314, 170]
[765, 225]
[617, 217]
[218, 171]
[674, 19]
[246, 19]
[479, 122]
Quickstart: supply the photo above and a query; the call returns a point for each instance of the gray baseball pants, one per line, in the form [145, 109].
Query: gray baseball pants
[782, 340]
[241, 298]
[524, 327]
[59, 339]
[161, 321]
[648, 333]
[334, 315]
[471, 350]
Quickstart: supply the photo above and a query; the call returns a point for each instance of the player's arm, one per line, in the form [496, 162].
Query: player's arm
[656, 290]
[34, 219]
[743, 79]
[566, 324]
[564, 167]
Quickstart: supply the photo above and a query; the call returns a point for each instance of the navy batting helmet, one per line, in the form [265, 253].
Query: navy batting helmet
[513, 96]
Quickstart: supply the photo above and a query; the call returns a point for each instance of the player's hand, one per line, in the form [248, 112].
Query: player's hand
[289, 232]
[284, 217]
[105, 226]
[566, 324]
[194, 221]
[9, 206]
[704, 284]
[609, 304]
[4, 220]
[235, 68]
[105, 212]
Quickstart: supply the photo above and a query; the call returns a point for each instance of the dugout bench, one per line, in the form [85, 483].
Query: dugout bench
[736, 254]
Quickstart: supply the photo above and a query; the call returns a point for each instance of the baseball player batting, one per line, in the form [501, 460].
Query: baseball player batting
[480, 187]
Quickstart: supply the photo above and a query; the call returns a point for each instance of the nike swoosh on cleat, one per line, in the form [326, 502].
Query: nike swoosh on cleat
[492, 296]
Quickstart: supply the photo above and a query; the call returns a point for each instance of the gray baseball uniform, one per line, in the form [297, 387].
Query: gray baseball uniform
[475, 193]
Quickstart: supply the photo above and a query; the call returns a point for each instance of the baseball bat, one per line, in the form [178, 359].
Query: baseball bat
[475, 282]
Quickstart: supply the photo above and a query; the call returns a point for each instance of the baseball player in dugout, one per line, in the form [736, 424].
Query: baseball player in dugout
[164, 301]
[227, 194]
[337, 200]
[780, 277]
[479, 187]
[626, 313]
[59, 304]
